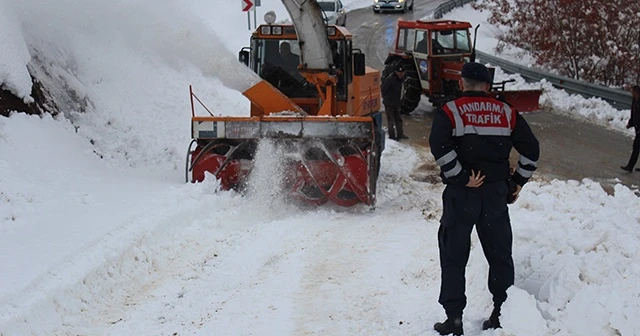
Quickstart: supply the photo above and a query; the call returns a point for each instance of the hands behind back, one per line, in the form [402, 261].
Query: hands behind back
[475, 180]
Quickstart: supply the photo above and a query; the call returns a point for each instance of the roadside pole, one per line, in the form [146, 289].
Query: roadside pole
[246, 7]
[256, 4]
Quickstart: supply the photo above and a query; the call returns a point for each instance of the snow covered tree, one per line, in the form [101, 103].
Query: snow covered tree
[591, 40]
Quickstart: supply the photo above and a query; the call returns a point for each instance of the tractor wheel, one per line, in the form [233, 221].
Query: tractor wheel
[412, 87]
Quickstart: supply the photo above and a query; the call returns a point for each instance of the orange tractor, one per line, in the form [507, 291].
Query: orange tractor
[316, 101]
[433, 53]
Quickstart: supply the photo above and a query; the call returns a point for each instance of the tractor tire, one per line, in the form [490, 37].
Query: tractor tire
[412, 87]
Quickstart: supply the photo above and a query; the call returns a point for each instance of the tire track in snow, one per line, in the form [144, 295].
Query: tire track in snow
[178, 246]
[359, 278]
[228, 263]
[240, 284]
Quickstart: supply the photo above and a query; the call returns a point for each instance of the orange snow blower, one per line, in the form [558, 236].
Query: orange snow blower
[320, 107]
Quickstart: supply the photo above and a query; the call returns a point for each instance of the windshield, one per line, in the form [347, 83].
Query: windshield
[451, 42]
[327, 6]
[277, 62]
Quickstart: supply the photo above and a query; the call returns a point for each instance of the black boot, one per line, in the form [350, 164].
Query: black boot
[450, 326]
[493, 322]
[627, 168]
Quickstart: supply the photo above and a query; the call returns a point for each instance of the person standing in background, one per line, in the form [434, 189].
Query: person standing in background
[392, 99]
[634, 121]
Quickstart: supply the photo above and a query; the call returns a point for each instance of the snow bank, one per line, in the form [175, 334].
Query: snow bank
[121, 73]
[14, 55]
[575, 249]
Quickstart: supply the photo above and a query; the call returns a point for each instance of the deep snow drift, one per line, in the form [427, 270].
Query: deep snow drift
[100, 236]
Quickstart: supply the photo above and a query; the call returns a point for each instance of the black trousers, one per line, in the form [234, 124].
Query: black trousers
[394, 121]
[635, 149]
[486, 209]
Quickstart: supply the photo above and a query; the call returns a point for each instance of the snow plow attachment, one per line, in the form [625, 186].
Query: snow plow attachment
[523, 100]
[323, 158]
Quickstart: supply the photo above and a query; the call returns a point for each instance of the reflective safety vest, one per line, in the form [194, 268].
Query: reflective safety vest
[481, 116]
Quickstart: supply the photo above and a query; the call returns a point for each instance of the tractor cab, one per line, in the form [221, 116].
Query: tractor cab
[439, 50]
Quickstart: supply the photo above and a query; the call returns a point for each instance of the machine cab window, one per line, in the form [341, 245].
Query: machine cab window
[422, 42]
[445, 42]
[342, 65]
[406, 38]
[277, 61]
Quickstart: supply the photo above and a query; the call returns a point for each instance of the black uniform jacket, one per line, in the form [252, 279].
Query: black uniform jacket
[392, 90]
[478, 132]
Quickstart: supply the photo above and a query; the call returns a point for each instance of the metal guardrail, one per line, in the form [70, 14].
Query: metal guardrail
[617, 98]
[446, 7]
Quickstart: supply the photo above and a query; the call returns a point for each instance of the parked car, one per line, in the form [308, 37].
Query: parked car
[392, 5]
[334, 12]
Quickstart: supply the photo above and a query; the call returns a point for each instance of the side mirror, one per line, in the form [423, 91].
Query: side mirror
[358, 64]
[243, 57]
[492, 73]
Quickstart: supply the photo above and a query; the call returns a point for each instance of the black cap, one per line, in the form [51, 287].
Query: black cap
[477, 72]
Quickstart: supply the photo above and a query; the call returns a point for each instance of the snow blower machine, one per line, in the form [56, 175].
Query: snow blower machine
[316, 101]
[433, 53]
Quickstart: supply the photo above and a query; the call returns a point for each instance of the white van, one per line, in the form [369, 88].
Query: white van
[334, 12]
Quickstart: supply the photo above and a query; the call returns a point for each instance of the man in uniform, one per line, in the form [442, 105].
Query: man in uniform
[471, 140]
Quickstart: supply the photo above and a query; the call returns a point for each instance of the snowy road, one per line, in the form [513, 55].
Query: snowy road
[258, 267]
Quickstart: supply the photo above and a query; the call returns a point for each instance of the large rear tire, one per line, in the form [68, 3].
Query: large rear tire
[412, 87]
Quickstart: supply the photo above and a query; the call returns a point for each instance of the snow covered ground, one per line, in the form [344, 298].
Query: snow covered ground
[100, 236]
